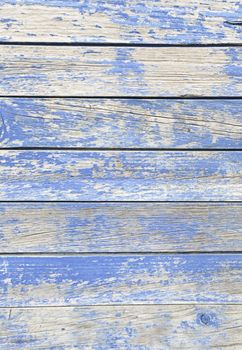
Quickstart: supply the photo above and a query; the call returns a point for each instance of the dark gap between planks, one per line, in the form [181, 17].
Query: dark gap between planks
[133, 97]
[126, 201]
[118, 44]
[60, 254]
[104, 149]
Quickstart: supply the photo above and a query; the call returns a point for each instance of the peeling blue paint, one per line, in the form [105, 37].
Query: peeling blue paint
[124, 278]
[158, 24]
[125, 66]
[122, 175]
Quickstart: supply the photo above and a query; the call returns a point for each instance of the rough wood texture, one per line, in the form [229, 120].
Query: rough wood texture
[120, 279]
[153, 327]
[120, 123]
[120, 71]
[120, 175]
[150, 21]
[120, 227]
[144, 268]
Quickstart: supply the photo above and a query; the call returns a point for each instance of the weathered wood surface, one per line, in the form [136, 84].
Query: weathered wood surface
[120, 71]
[120, 123]
[150, 21]
[137, 327]
[120, 227]
[120, 175]
[120, 279]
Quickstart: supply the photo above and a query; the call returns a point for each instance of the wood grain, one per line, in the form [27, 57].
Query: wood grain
[120, 71]
[162, 22]
[120, 279]
[146, 268]
[120, 175]
[120, 123]
[150, 327]
[120, 227]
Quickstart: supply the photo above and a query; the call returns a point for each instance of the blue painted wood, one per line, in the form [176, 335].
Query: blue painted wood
[94, 71]
[43, 281]
[120, 227]
[120, 279]
[129, 327]
[120, 175]
[118, 123]
[150, 21]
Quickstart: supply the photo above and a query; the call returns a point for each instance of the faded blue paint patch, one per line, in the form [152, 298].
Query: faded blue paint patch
[234, 69]
[129, 72]
[8, 22]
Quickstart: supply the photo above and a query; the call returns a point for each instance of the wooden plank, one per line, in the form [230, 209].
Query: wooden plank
[162, 22]
[118, 123]
[120, 279]
[120, 227]
[120, 175]
[120, 71]
[178, 327]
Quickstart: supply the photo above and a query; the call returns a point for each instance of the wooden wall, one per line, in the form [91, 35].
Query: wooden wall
[120, 175]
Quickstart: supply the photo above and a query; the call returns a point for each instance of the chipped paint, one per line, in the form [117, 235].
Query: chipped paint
[120, 175]
[129, 123]
[122, 279]
[168, 21]
[130, 327]
[121, 300]
[115, 227]
[120, 71]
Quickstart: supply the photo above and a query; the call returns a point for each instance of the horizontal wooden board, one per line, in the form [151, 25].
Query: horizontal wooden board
[120, 175]
[120, 279]
[120, 227]
[120, 71]
[177, 327]
[120, 123]
[164, 21]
